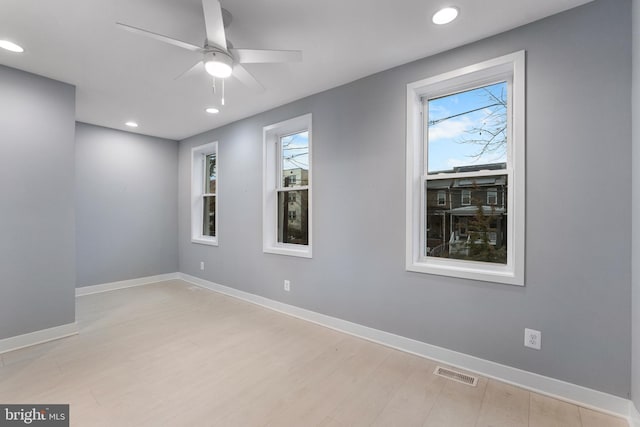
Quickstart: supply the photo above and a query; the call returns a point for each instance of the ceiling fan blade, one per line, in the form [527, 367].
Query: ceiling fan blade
[197, 68]
[252, 56]
[161, 38]
[241, 73]
[214, 23]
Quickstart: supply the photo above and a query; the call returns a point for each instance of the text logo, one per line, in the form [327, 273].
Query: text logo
[34, 415]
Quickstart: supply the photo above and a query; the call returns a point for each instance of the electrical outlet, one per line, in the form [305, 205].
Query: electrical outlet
[202, 265]
[287, 285]
[532, 338]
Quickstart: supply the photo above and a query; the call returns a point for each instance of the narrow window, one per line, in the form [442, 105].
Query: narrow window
[204, 194]
[442, 198]
[492, 196]
[287, 187]
[209, 196]
[466, 198]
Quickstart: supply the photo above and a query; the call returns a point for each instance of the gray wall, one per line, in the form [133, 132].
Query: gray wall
[126, 205]
[635, 260]
[578, 269]
[37, 244]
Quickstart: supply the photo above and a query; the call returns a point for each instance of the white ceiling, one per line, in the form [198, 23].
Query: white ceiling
[121, 76]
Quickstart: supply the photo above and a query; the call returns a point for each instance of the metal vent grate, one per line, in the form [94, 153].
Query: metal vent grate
[456, 376]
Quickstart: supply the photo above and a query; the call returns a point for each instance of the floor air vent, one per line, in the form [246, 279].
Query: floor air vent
[456, 376]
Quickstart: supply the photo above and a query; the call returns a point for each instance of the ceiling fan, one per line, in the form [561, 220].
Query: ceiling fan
[219, 57]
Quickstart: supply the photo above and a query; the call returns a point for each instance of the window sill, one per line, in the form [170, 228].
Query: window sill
[468, 270]
[204, 241]
[289, 250]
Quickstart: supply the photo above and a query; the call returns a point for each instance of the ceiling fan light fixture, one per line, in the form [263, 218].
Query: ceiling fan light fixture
[445, 15]
[218, 64]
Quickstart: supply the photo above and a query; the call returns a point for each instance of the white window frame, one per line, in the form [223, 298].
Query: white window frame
[272, 184]
[198, 165]
[511, 68]
[444, 199]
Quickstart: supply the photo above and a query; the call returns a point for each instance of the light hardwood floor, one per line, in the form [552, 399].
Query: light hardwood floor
[173, 354]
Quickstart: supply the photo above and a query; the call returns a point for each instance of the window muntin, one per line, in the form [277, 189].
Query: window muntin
[426, 174]
[204, 194]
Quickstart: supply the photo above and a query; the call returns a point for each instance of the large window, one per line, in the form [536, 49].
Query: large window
[204, 194]
[287, 187]
[465, 143]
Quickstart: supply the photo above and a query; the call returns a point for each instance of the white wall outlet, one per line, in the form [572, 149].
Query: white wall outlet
[532, 338]
[287, 285]
[202, 265]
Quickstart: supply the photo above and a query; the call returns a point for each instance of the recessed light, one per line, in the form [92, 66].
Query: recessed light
[445, 15]
[11, 46]
[212, 110]
[132, 124]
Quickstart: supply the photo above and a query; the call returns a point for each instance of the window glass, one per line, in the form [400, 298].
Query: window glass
[295, 159]
[209, 216]
[210, 174]
[474, 231]
[293, 225]
[467, 129]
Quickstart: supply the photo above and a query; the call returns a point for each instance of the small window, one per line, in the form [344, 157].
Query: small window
[442, 198]
[465, 133]
[204, 194]
[287, 197]
[465, 199]
[492, 196]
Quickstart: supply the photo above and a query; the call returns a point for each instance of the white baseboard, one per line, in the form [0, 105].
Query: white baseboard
[105, 287]
[552, 387]
[634, 415]
[38, 337]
